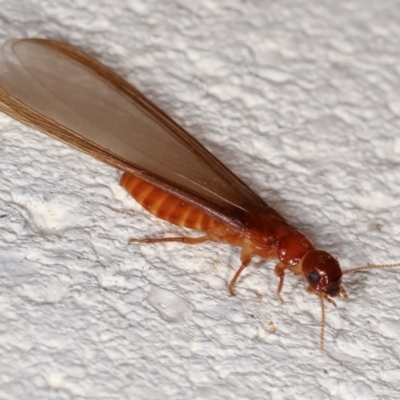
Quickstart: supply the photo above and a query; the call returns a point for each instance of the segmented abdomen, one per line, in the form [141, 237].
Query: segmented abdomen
[166, 206]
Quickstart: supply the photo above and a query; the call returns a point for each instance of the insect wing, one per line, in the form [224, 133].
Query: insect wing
[76, 99]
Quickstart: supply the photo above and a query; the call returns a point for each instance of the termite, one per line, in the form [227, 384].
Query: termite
[72, 97]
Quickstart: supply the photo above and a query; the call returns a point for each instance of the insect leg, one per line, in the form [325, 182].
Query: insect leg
[236, 277]
[280, 272]
[245, 257]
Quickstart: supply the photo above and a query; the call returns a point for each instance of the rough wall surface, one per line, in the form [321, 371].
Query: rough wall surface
[301, 100]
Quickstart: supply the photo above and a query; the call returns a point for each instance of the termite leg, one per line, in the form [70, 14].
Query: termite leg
[181, 239]
[245, 257]
[280, 272]
[232, 283]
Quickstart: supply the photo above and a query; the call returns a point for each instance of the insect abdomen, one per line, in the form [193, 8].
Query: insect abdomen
[166, 206]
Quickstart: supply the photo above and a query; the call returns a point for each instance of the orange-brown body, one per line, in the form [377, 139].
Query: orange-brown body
[269, 236]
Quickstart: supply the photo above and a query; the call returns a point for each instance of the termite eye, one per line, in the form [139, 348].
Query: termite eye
[313, 277]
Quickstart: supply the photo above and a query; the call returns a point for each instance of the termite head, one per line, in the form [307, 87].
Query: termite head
[320, 269]
[322, 273]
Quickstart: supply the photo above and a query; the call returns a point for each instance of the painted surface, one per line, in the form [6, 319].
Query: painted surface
[302, 101]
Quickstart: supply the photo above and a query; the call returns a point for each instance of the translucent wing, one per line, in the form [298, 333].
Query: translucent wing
[74, 98]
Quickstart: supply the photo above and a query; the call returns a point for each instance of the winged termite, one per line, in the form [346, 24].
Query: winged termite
[65, 93]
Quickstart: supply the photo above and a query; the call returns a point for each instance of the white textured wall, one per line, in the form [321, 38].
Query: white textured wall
[302, 100]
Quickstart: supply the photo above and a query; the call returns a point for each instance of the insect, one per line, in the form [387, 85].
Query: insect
[72, 97]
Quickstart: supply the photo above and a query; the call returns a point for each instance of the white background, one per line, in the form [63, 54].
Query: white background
[301, 99]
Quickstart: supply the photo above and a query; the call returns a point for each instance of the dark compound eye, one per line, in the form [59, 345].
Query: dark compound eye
[313, 277]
